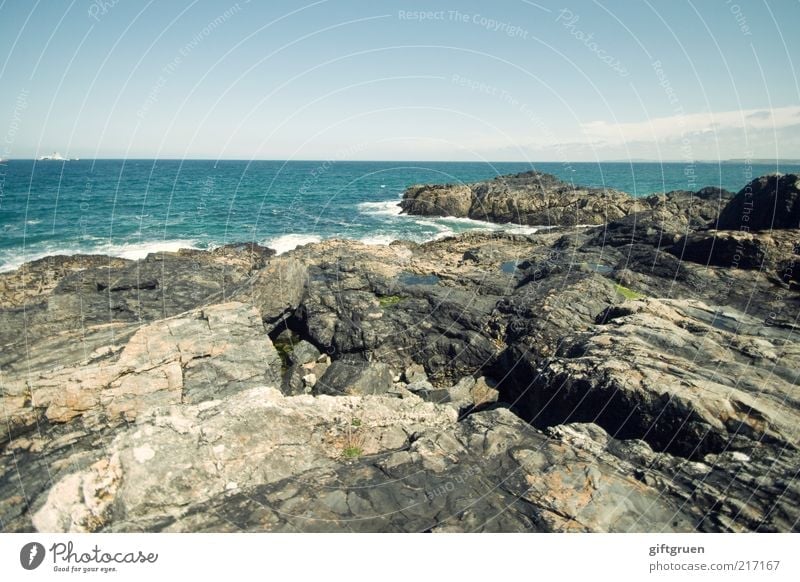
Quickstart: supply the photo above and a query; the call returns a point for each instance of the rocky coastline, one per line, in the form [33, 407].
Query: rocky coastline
[632, 367]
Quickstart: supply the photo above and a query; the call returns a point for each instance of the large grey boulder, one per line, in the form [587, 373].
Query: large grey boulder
[438, 200]
[766, 203]
[355, 378]
[275, 290]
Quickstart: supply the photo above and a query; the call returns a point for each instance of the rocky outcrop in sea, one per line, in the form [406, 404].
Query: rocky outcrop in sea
[640, 374]
[539, 199]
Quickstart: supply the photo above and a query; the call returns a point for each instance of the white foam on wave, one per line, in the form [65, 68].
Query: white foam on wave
[287, 242]
[444, 232]
[443, 226]
[378, 239]
[522, 229]
[141, 250]
[441, 229]
[472, 224]
[469, 222]
[130, 251]
[385, 208]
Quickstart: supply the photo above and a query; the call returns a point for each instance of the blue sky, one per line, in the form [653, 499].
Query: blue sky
[399, 80]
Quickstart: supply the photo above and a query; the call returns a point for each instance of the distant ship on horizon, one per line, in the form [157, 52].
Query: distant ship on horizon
[55, 157]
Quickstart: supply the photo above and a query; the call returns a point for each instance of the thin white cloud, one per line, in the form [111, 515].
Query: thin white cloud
[676, 126]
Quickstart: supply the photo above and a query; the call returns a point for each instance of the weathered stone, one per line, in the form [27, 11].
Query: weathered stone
[180, 456]
[352, 378]
[201, 355]
[276, 290]
[303, 353]
[414, 373]
[484, 392]
[640, 375]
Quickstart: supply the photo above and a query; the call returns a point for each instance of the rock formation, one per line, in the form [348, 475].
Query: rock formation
[638, 375]
[539, 199]
[767, 203]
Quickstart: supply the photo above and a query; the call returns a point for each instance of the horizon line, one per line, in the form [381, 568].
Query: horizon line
[329, 160]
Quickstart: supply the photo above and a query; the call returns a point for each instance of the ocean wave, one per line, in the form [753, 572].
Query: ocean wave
[522, 229]
[444, 225]
[472, 224]
[385, 208]
[440, 229]
[141, 250]
[379, 239]
[13, 260]
[408, 227]
[287, 242]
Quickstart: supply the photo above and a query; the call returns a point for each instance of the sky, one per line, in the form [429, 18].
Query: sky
[509, 80]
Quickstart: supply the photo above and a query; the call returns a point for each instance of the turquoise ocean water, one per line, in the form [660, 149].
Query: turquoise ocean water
[132, 207]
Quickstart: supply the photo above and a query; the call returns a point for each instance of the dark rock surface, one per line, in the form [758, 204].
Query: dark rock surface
[640, 375]
[766, 203]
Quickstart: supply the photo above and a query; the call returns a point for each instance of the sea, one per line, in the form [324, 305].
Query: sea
[129, 208]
